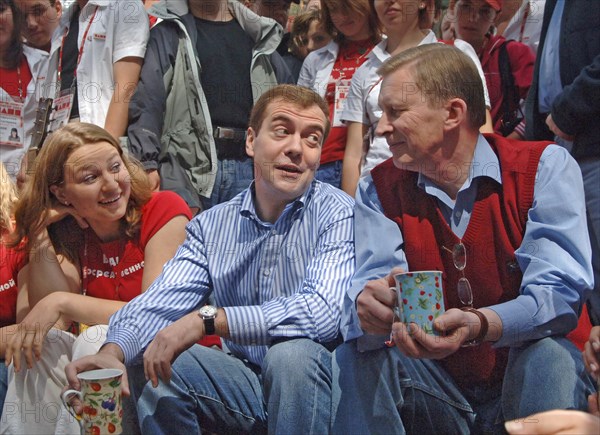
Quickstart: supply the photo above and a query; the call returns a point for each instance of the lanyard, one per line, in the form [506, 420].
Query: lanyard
[525, 16]
[62, 45]
[20, 83]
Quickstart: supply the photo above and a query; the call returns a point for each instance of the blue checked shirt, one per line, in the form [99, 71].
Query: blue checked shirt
[281, 280]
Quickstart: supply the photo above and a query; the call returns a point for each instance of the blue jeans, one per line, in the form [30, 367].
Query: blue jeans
[3, 383]
[385, 392]
[233, 176]
[211, 390]
[331, 173]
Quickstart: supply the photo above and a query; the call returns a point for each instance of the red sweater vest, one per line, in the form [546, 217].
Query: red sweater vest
[494, 232]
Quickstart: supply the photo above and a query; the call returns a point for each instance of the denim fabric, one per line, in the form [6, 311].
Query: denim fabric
[386, 392]
[3, 383]
[232, 177]
[331, 173]
[213, 391]
[543, 375]
[297, 386]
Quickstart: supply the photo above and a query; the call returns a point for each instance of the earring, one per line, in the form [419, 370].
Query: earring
[422, 6]
[66, 203]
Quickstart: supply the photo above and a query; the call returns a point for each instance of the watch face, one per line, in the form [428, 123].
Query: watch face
[208, 311]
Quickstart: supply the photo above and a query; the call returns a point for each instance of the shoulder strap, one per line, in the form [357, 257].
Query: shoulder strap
[509, 92]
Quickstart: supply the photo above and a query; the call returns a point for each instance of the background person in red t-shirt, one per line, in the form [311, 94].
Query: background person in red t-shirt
[13, 305]
[329, 71]
[507, 65]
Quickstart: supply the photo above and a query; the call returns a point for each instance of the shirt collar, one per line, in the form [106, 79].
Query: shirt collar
[485, 163]
[100, 2]
[429, 38]
[379, 52]
[248, 208]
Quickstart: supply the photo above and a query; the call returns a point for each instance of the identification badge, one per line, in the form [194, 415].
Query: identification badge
[341, 93]
[12, 132]
[61, 112]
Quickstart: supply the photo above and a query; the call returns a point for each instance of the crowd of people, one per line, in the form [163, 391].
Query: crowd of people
[215, 196]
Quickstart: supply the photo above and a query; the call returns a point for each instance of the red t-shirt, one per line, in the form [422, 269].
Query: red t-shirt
[351, 56]
[114, 270]
[11, 262]
[9, 79]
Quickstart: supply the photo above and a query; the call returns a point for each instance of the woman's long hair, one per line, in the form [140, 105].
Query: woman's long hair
[11, 58]
[361, 7]
[8, 198]
[36, 199]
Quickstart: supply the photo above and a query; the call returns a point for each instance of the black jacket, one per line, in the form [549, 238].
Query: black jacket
[577, 110]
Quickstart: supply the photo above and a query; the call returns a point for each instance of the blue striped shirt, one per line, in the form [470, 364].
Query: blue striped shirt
[281, 280]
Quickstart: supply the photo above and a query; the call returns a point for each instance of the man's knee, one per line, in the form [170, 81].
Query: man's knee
[303, 354]
[545, 374]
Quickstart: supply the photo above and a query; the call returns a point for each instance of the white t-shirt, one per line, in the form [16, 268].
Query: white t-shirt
[362, 102]
[317, 67]
[120, 29]
[528, 31]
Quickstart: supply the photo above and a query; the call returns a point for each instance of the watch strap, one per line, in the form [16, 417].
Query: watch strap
[483, 329]
[209, 326]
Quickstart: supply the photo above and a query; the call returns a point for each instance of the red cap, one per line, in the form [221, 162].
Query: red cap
[495, 4]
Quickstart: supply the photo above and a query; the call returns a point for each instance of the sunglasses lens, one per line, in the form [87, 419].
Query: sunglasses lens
[464, 291]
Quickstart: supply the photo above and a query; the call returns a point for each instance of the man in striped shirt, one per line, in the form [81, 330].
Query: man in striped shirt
[277, 259]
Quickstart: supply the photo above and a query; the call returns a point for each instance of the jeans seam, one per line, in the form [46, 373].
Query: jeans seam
[315, 391]
[434, 393]
[199, 396]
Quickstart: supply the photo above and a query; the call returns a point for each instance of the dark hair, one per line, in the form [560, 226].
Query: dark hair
[303, 21]
[12, 56]
[296, 95]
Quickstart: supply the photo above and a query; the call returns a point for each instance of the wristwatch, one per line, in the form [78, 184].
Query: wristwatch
[208, 313]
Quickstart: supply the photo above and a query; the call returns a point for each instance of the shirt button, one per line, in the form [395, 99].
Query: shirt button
[267, 272]
[457, 214]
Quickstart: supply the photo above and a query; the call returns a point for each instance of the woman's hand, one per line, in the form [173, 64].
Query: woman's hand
[30, 334]
[558, 421]
[60, 211]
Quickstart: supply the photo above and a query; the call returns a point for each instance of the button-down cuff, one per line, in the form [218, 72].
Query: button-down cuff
[247, 325]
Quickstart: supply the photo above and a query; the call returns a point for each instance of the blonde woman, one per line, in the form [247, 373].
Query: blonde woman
[13, 304]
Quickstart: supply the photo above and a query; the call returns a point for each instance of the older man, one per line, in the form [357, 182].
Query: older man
[449, 190]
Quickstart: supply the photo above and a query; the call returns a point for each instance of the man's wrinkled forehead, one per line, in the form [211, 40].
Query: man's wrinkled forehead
[398, 84]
